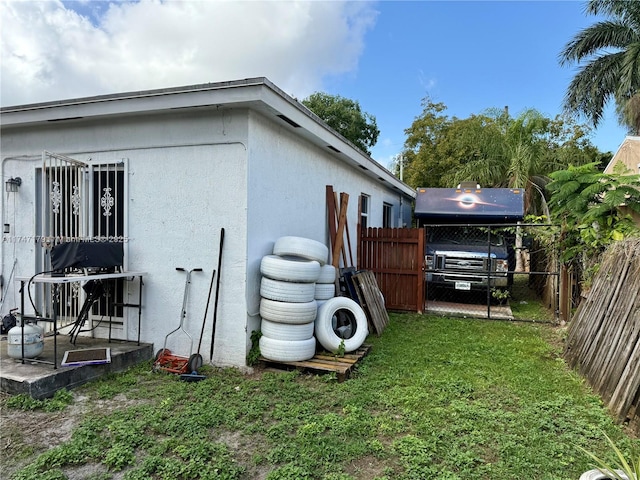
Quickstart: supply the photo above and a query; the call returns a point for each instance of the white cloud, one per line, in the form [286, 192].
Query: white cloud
[51, 52]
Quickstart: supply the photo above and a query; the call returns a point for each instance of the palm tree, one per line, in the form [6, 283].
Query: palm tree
[608, 53]
[513, 155]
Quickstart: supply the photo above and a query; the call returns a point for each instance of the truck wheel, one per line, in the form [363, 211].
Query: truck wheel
[339, 320]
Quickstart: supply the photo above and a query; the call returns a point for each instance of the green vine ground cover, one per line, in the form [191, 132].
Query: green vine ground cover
[435, 398]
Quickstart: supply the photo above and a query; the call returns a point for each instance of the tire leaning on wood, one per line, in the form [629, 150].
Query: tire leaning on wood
[290, 269]
[341, 317]
[301, 247]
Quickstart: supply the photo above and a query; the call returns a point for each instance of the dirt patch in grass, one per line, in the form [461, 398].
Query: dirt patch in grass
[25, 434]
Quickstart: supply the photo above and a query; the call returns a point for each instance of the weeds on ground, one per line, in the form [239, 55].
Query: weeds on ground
[525, 305]
[58, 402]
[435, 398]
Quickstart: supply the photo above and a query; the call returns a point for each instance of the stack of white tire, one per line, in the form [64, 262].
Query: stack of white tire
[298, 304]
[326, 284]
[288, 306]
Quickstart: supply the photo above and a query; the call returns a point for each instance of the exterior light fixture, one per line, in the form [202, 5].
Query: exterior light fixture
[13, 184]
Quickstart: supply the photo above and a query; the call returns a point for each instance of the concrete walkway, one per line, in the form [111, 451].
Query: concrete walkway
[42, 380]
[498, 312]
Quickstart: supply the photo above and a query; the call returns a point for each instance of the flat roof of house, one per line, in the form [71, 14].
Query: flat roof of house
[258, 94]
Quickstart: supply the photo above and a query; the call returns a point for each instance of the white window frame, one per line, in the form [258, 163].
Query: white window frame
[365, 203]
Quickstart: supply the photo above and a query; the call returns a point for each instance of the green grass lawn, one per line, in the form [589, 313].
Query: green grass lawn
[435, 398]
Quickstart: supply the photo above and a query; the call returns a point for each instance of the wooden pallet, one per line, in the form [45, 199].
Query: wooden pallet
[324, 362]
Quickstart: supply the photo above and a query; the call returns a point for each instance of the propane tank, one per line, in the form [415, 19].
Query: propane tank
[33, 341]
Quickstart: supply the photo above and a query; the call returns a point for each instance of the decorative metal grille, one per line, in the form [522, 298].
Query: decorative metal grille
[80, 201]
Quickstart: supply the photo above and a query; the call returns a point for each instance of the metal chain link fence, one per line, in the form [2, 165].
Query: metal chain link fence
[508, 272]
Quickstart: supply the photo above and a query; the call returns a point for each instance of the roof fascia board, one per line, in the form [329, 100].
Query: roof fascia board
[330, 139]
[132, 103]
[256, 93]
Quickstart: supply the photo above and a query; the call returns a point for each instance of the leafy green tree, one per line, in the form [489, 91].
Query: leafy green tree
[346, 117]
[426, 159]
[608, 53]
[523, 151]
[585, 204]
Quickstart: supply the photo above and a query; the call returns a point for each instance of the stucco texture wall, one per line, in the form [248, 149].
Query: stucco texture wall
[186, 180]
[287, 179]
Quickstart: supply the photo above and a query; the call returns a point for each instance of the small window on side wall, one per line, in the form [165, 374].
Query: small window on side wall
[386, 215]
[364, 210]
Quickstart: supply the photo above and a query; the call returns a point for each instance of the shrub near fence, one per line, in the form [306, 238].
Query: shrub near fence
[603, 341]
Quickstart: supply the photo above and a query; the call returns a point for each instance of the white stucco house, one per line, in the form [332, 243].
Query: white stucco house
[164, 171]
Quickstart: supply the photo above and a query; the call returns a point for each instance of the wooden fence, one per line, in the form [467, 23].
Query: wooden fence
[396, 257]
[603, 341]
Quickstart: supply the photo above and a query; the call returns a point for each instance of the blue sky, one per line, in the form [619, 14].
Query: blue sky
[471, 56]
[388, 56]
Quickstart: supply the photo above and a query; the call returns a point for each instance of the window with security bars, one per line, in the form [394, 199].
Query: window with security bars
[80, 202]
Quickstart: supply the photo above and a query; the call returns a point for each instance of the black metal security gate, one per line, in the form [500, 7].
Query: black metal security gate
[80, 201]
[483, 270]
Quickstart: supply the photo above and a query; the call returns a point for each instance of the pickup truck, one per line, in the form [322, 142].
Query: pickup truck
[467, 258]
[465, 248]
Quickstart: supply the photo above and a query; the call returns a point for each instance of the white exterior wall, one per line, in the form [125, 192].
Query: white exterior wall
[287, 179]
[187, 180]
[193, 171]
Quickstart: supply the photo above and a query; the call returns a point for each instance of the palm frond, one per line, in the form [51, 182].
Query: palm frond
[622, 470]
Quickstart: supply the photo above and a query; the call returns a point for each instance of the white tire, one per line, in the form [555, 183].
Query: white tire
[287, 350]
[290, 269]
[287, 312]
[327, 274]
[293, 292]
[325, 291]
[286, 331]
[340, 319]
[301, 247]
[596, 474]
